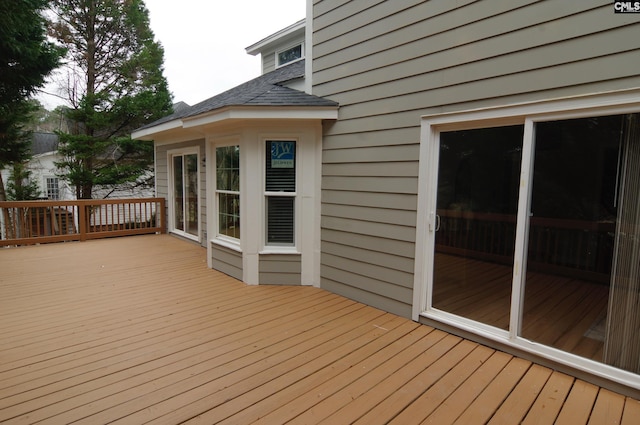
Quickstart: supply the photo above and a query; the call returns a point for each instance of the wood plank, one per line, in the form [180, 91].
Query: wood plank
[335, 393]
[146, 366]
[451, 408]
[577, 408]
[516, 406]
[380, 391]
[550, 400]
[631, 411]
[430, 399]
[279, 373]
[608, 408]
[125, 397]
[395, 403]
[485, 405]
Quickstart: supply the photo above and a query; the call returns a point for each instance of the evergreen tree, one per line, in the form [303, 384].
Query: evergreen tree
[115, 85]
[21, 187]
[26, 58]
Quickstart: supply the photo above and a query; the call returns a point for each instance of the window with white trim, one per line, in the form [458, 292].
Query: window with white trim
[228, 191]
[53, 188]
[290, 54]
[280, 192]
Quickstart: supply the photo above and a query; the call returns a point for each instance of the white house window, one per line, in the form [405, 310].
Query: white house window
[289, 55]
[530, 230]
[53, 188]
[228, 191]
[280, 192]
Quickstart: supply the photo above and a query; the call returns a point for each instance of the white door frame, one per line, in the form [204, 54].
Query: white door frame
[620, 102]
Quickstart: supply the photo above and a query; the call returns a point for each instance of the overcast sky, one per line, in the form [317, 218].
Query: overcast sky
[204, 42]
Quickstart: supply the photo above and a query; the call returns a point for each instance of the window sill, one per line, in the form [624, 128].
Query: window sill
[233, 245]
[290, 250]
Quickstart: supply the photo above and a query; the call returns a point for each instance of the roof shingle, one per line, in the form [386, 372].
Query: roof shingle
[265, 90]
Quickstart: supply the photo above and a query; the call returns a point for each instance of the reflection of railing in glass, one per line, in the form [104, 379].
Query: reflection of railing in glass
[576, 248]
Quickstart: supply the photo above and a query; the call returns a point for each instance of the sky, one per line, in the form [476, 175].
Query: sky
[204, 42]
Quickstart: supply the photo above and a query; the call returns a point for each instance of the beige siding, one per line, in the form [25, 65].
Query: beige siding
[389, 63]
[278, 269]
[268, 61]
[162, 176]
[226, 261]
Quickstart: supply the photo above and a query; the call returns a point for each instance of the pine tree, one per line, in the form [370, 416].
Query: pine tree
[21, 186]
[115, 85]
[26, 58]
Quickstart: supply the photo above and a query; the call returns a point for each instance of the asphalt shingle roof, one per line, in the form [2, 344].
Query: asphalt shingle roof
[265, 90]
[43, 143]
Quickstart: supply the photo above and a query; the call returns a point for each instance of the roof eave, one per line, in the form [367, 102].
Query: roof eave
[147, 132]
[256, 48]
[262, 113]
[237, 113]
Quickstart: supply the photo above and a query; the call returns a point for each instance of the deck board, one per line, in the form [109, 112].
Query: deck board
[138, 330]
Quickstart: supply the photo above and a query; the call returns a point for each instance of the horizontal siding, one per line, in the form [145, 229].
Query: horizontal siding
[504, 51]
[382, 154]
[438, 26]
[377, 215]
[460, 91]
[275, 269]
[394, 248]
[226, 261]
[513, 54]
[268, 61]
[380, 230]
[371, 282]
[367, 296]
[372, 256]
[381, 138]
[389, 63]
[370, 169]
[399, 201]
[372, 184]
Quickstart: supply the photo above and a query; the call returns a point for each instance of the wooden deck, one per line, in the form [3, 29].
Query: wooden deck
[137, 330]
[560, 312]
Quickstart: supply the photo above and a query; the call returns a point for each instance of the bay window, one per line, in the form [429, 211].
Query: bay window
[228, 191]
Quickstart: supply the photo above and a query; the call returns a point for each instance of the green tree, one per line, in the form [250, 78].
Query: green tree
[116, 84]
[21, 187]
[26, 58]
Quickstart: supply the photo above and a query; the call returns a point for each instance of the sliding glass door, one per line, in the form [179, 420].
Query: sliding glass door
[477, 201]
[534, 232]
[572, 225]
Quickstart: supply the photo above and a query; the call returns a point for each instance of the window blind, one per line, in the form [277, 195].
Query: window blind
[280, 183]
[622, 342]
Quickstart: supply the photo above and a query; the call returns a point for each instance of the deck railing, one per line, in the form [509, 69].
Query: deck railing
[577, 248]
[31, 222]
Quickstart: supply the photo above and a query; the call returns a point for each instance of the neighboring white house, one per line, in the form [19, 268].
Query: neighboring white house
[51, 186]
[44, 148]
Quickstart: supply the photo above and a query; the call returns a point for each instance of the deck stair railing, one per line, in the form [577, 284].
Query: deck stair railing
[32, 222]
